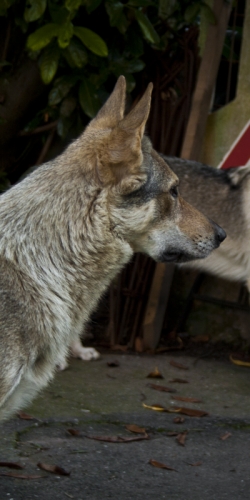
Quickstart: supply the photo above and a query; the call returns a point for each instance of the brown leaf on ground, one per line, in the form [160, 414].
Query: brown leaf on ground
[11, 465]
[179, 381]
[172, 433]
[155, 407]
[113, 364]
[155, 374]
[196, 464]
[21, 476]
[200, 338]
[162, 388]
[188, 400]
[191, 412]
[226, 436]
[55, 469]
[25, 416]
[118, 439]
[181, 438]
[179, 420]
[74, 432]
[135, 428]
[160, 465]
[178, 365]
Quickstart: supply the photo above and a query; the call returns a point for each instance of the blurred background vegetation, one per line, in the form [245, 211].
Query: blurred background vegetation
[59, 60]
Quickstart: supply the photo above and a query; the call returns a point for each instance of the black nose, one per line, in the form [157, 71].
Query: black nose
[220, 234]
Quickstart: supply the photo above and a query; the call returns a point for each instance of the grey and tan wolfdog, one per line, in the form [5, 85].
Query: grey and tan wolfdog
[68, 228]
[223, 195]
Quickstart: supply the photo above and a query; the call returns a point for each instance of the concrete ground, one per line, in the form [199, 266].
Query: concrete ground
[97, 400]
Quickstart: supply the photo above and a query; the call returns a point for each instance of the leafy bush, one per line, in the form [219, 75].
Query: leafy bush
[82, 46]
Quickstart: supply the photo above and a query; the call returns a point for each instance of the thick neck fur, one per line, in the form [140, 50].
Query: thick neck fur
[55, 226]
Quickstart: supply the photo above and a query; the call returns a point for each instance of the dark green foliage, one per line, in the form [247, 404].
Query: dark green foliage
[82, 46]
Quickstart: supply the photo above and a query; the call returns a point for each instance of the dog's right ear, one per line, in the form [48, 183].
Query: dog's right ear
[112, 112]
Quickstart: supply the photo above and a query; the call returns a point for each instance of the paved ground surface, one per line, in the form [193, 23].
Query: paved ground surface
[95, 399]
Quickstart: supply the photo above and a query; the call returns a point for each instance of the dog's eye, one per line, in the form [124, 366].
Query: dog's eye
[174, 191]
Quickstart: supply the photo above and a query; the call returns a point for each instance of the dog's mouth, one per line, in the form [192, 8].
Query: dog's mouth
[171, 257]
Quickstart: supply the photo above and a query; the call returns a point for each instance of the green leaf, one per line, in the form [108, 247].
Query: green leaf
[58, 14]
[49, 63]
[92, 41]
[116, 16]
[42, 37]
[167, 7]
[134, 42]
[130, 82]
[208, 13]
[65, 34]
[68, 106]
[61, 88]
[75, 54]
[4, 6]
[88, 98]
[191, 12]
[146, 27]
[91, 5]
[34, 10]
[73, 5]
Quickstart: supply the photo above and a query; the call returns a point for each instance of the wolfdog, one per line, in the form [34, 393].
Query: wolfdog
[223, 195]
[69, 227]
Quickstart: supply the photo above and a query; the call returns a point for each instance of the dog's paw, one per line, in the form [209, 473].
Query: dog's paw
[84, 353]
[62, 366]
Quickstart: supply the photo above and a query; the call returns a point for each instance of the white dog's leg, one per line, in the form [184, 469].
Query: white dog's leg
[86, 353]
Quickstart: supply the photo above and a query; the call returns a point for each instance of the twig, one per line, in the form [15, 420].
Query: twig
[38, 130]
[45, 147]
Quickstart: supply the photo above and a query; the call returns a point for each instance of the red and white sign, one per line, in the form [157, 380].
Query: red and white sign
[239, 153]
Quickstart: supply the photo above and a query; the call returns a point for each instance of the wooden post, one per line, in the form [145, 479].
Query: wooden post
[156, 305]
[207, 74]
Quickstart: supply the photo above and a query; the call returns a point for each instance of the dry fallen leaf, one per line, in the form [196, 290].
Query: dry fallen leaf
[155, 374]
[240, 361]
[11, 465]
[181, 438]
[154, 407]
[55, 469]
[196, 464]
[135, 428]
[172, 433]
[179, 420]
[160, 465]
[190, 412]
[226, 436]
[188, 400]
[200, 338]
[21, 476]
[113, 364]
[161, 388]
[179, 381]
[74, 432]
[118, 439]
[178, 365]
[25, 416]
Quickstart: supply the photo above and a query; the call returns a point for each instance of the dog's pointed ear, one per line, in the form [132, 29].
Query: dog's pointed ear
[112, 112]
[120, 162]
[136, 120]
